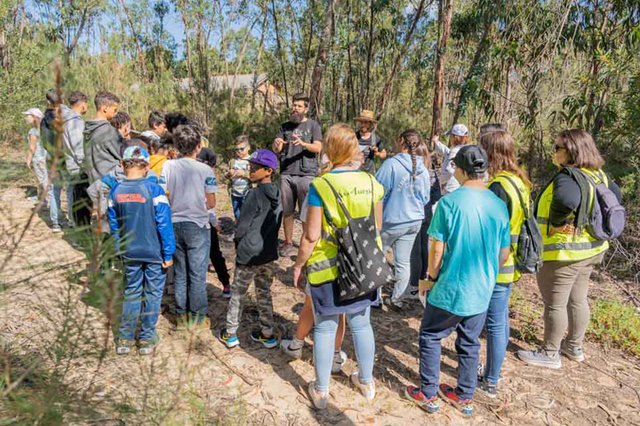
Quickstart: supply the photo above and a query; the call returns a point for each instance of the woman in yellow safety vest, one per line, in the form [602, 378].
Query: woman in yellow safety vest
[511, 184]
[570, 252]
[360, 192]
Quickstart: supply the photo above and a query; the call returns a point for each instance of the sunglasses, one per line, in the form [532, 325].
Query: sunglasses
[255, 167]
[242, 148]
[557, 147]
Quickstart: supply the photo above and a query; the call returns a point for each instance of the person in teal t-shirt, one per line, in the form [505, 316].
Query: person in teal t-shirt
[470, 238]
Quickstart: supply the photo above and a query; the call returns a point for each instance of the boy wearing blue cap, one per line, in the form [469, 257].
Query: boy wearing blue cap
[140, 221]
[256, 240]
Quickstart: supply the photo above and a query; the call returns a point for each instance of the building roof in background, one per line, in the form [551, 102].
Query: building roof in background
[226, 82]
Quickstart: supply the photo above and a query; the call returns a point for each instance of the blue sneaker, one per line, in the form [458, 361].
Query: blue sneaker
[267, 341]
[230, 340]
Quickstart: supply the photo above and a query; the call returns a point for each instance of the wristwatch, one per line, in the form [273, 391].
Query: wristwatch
[430, 278]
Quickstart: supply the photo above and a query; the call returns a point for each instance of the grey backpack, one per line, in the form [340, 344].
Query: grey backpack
[608, 216]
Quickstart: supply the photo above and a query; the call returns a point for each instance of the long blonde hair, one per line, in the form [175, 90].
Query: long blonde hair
[340, 146]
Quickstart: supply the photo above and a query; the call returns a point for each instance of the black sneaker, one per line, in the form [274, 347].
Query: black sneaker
[489, 389]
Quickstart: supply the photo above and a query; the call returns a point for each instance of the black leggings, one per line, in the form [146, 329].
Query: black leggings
[217, 259]
[420, 253]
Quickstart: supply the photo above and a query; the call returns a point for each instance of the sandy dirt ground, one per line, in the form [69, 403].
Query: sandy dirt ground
[48, 314]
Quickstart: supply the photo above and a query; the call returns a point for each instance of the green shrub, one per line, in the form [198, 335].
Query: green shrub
[617, 324]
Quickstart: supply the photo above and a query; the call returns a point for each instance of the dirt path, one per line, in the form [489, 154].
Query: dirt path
[192, 379]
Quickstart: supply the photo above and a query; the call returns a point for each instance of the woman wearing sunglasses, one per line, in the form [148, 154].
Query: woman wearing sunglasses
[570, 252]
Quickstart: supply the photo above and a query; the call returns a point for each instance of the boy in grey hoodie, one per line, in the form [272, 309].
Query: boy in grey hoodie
[72, 149]
[102, 148]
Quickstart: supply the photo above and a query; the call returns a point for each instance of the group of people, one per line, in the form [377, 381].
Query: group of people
[453, 233]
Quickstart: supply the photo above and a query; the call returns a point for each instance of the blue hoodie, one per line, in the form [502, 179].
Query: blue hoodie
[404, 198]
[140, 220]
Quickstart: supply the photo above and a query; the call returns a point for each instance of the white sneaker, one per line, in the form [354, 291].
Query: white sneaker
[338, 362]
[318, 399]
[293, 353]
[368, 390]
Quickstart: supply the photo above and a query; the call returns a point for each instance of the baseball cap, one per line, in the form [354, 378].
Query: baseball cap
[135, 153]
[459, 130]
[35, 112]
[264, 157]
[472, 159]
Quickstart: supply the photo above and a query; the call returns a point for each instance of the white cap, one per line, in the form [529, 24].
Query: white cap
[35, 112]
[459, 130]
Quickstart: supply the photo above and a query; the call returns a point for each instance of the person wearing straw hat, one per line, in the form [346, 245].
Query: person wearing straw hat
[369, 142]
[36, 154]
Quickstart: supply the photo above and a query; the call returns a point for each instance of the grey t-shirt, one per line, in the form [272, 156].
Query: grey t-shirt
[186, 182]
[40, 154]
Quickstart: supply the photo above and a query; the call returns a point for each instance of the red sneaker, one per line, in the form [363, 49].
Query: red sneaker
[415, 395]
[450, 395]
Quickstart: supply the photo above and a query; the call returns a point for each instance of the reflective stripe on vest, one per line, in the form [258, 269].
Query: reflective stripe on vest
[322, 266]
[568, 247]
[508, 273]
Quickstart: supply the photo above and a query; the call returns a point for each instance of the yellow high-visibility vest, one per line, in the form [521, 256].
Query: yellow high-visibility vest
[569, 247]
[355, 190]
[508, 273]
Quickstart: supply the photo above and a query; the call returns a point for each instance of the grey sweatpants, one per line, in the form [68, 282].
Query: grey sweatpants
[564, 287]
[262, 276]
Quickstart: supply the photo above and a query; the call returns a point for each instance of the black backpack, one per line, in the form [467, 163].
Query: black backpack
[608, 216]
[362, 265]
[528, 256]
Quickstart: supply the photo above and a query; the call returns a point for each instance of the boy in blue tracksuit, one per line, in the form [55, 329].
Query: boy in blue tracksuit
[140, 221]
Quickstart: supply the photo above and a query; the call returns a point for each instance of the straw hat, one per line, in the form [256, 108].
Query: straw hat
[366, 115]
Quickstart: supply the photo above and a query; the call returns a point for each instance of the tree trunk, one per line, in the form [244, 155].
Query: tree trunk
[474, 70]
[381, 105]
[365, 101]
[136, 39]
[445, 11]
[279, 53]
[74, 41]
[321, 61]
[307, 53]
[256, 69]
[239, 61]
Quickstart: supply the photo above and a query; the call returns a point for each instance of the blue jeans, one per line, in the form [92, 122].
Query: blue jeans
[438, 324]
[236, 203]
[401, 241]
[324, 334]
[190, 263]
[54, 203]
[142, 297]
[497, 326]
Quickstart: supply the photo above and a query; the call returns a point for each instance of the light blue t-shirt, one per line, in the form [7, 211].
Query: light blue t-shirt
[474, 225]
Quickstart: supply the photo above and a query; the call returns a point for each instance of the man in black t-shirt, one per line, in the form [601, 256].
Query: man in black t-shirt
[298, 143]
[369, 142]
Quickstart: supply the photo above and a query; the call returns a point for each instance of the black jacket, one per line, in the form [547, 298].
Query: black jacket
[257, 229]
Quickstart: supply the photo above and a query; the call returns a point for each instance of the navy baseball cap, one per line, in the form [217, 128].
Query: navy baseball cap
[265, 158]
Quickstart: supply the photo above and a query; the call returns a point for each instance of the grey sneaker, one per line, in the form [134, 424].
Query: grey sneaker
[147, 347]
[123, 346]
[56, 229]
[293, 353]
[338, 361]
[541, 358]
[574, 354]
[318, 399]
[367, 390]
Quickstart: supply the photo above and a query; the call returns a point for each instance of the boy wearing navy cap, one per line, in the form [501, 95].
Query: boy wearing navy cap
[256, 240]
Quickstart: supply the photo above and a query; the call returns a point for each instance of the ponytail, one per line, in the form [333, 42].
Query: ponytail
[411, 140]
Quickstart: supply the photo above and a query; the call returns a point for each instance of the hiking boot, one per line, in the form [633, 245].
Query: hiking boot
[124, 346]
[319, 399]
[541, 358]
[226, 291]
[268, 342]
[147, 347]
[450, 395]
[230, 340]
[574, 354]
[367, 390]
[415, 395]
[285, 345]
[489, 389]
[339, 358]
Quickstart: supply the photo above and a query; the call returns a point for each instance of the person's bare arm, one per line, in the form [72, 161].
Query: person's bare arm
[315, 146]
[210, 200]
[504, 255]
[378, 215]
[308, 241]
[436, 253]
[33, 142]
[278, 144]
